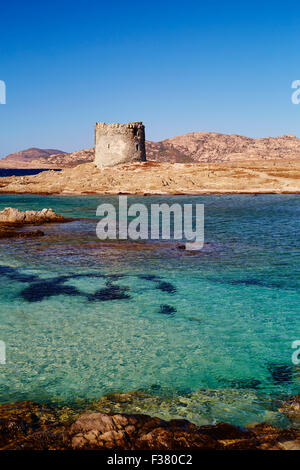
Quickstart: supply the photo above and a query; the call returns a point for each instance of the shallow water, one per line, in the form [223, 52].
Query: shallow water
[205, 336]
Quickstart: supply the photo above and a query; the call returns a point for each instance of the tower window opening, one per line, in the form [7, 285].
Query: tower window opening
[137, 146]
[108, 146]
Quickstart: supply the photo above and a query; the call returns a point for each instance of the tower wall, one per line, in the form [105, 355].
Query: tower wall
[119, 143]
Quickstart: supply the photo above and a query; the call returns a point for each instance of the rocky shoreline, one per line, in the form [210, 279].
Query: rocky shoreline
[13, 221]
[30, 426]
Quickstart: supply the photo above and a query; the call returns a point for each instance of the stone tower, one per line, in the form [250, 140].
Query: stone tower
[119, 143]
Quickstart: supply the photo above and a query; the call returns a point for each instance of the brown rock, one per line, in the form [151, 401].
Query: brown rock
[11, 215]
[141, 432]
[291, 409]
[26, 425]
[223, 431]
[11, 220]
[6, 232]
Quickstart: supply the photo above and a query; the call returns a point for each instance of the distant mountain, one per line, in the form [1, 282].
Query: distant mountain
[24, 158]
[212, 147]
[67, 160]
[195, 147]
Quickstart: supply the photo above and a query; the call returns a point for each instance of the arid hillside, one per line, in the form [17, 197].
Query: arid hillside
[211, 147]
[25, 158]
[195, 147]
[65, 160]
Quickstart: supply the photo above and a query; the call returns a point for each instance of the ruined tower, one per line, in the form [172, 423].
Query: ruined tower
[119, 143]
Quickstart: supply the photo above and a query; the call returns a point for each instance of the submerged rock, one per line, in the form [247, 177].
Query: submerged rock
[7, 232]
[201, 407]
[291, 409]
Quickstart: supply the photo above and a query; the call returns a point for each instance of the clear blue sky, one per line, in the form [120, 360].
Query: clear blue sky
[179, 66]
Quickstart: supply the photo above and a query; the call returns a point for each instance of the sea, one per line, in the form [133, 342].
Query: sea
[22, 171]
[205, 335]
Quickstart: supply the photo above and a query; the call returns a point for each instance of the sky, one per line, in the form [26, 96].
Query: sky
[178, 66]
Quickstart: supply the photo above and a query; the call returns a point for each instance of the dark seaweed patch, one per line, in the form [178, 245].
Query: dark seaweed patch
[155, 387]
[166, 287]
[39, 291]
[281, 373]
[149, 277]
[245, 383]
[247, 282]
[167, 310]
[256, 282]
[198, 320]
[111, 292]
[237, 282]
[16, 275]
[69, 277]
[115, 277]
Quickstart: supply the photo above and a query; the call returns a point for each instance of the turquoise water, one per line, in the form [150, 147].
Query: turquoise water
[205, 335]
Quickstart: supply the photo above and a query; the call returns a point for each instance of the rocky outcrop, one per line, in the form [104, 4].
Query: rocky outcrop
[29, 426]
[12, 220]
[10, 215]
[140, 432]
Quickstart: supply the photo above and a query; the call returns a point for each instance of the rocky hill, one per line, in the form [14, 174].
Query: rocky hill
[211, 147]
[155, 151]
[65, 160]
[195, 147]
[25, 158]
